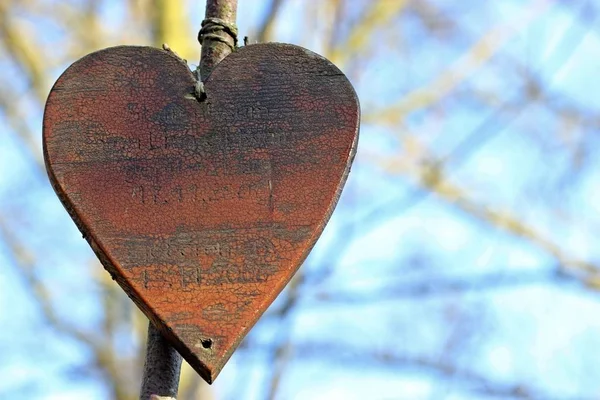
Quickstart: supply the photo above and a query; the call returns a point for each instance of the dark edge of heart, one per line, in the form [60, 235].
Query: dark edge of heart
[110, 265]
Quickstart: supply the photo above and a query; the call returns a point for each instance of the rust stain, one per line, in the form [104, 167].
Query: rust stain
[201, 211]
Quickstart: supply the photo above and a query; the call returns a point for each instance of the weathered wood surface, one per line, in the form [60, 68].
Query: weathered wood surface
[201, 211]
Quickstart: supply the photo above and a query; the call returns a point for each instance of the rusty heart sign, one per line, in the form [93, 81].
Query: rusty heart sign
[201, 209]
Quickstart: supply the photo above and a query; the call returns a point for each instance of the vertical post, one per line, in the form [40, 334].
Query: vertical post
[161, 368]
[218, 38]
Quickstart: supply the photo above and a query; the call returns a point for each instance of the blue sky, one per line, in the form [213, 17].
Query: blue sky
[543, 334]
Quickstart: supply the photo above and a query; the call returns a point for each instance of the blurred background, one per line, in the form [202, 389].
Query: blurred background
[460, 262]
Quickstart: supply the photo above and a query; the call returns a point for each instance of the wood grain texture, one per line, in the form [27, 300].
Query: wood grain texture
[201, 211]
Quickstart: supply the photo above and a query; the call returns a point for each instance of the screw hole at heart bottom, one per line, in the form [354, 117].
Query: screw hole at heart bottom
[206, 343]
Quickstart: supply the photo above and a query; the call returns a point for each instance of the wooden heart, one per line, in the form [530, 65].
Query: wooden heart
[201, 210]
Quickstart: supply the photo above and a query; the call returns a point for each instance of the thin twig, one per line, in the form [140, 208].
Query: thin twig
[266, 28]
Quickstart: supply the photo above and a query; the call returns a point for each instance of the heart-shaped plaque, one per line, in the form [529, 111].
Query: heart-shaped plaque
[202, 210]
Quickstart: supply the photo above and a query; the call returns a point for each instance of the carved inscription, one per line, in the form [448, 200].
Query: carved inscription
[171, 276]
[187, 261]
[220, 272]
[190, 251]
[246, 113]
[156, 194]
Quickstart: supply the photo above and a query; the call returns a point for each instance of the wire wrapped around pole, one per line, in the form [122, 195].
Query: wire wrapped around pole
[212, 26]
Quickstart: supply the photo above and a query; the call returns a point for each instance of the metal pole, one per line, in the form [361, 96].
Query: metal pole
[161, 368]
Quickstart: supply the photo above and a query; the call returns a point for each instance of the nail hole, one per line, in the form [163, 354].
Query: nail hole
[206, 343]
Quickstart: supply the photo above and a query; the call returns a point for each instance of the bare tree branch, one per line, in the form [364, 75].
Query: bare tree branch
[265, 31]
